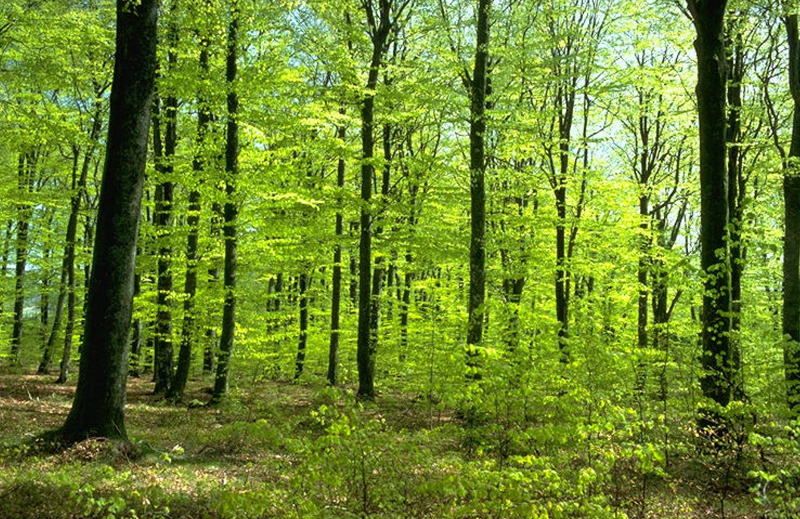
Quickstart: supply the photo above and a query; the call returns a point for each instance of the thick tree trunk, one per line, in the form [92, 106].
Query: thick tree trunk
[476, 310]
[717, 379]
[230, 213]
[791, 241]
[99, 405]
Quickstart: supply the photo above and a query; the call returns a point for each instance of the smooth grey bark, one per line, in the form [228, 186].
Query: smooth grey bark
[99, 405]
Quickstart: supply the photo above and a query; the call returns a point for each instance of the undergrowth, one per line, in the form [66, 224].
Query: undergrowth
[283, 450]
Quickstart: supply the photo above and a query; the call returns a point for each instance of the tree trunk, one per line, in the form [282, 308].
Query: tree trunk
[68, 261]
[336, 295]
[476, 310]
[408, 279]
[230, 214]
[27, 163]
[791, 241]
[365, 354]
[212, 340]
[50, 340]
[99, 405]
[735, 68]
[164, 354]
[303, 283]
[353, 270]
[642, 275]
[192, 221]
[716, 381]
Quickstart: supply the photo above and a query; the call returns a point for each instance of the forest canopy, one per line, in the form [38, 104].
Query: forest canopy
[551, 246]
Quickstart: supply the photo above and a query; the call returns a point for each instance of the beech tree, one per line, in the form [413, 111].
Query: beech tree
[99, 405]
[231, 210]
[791, 241]
[708, 18]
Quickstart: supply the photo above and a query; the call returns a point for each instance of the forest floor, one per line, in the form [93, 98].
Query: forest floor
[278, 449]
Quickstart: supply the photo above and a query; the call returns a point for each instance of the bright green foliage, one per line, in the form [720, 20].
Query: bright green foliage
[608, 430]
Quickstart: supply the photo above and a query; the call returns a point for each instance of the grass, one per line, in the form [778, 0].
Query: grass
[277, 449]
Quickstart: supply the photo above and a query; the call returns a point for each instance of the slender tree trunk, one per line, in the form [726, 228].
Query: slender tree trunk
[27, 163]
[47, 355]
[336, 295]
[642, 275]
[365, 354]
[88, 239]
[99, 405]
[6, 252]
[68, 261]
[476, 310]
[735, 67]
[303, 283]
[212, 340]
[135, 359]
[164, 369]
[791, 242]
[192, 220]
[379, 271]
[230, 214]
[353, 270]
[408, 279]
[716, 381]
[44, 298]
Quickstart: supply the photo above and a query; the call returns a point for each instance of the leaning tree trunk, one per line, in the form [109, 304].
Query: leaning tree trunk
[49, 342]
[230, 213]
[68, 262]
[99, 405]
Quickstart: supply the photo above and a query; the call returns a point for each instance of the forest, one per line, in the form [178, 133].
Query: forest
[399, 258]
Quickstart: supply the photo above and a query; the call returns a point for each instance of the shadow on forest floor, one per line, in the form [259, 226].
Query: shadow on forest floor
[278, 449]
